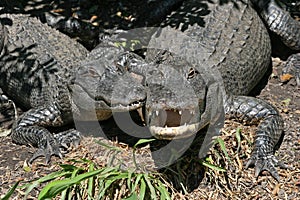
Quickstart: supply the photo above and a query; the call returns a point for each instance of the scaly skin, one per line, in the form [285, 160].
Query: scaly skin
[250, 110]
[280, 22]
[283, 25]
[52, 77]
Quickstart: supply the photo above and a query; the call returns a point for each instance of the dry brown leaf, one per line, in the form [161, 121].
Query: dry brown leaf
[286, 77]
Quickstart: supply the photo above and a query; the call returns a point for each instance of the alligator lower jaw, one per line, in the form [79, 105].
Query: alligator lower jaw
[178, 132]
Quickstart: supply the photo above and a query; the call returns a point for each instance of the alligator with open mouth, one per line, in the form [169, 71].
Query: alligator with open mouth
[203, 46]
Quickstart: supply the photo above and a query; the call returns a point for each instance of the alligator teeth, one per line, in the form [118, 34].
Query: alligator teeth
[180, 112]
[140, 112]
[157, 112]
[184, 124]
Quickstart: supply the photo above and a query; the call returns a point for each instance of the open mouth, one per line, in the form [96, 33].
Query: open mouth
[173, 124]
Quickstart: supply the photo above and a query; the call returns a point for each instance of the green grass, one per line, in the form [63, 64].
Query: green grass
[83, 179]
[92, 183]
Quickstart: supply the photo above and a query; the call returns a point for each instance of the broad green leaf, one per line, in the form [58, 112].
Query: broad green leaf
[129, 181]
[63, 195]
[119, 176]
[68, 167]
[136, 182]
[54, 175]
[49, 177]
[107, 184]
[75, 172]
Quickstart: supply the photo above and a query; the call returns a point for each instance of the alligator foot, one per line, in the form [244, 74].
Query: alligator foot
[38, 137]
[47, 150]
[57, 147]
[266, 163]
[30, 129]
[68, 139]
[250, 110]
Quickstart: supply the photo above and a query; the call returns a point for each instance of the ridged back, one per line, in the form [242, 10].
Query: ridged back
[230, 37]
[37, 60]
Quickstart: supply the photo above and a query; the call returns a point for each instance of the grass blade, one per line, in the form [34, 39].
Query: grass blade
[142, 141]
[164, 194]
[110, 147]
[214, 167]
[91, 181]
[133, 196]
[57, 186]
[150, 186]
[238, 138]
[142, 189]
[223, 148]
[11, 191]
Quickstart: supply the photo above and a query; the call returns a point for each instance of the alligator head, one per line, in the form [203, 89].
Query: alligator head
[182, 97]
[175, 101]
[100, 87]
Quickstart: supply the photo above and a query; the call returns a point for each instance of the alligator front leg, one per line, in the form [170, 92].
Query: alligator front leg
[251, 110]
[30, 129]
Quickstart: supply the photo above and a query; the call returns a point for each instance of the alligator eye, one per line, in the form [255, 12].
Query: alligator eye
[192, 73]
[92, 72]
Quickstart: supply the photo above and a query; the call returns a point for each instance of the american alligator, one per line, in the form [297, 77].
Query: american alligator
[51, 76]
[200, 38]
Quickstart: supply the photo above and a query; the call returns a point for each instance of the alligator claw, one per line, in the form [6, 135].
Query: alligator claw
[266, 163]
[63, 141]
[47, 151]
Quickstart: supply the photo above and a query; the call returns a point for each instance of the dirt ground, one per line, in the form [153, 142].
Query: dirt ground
[200, 182]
